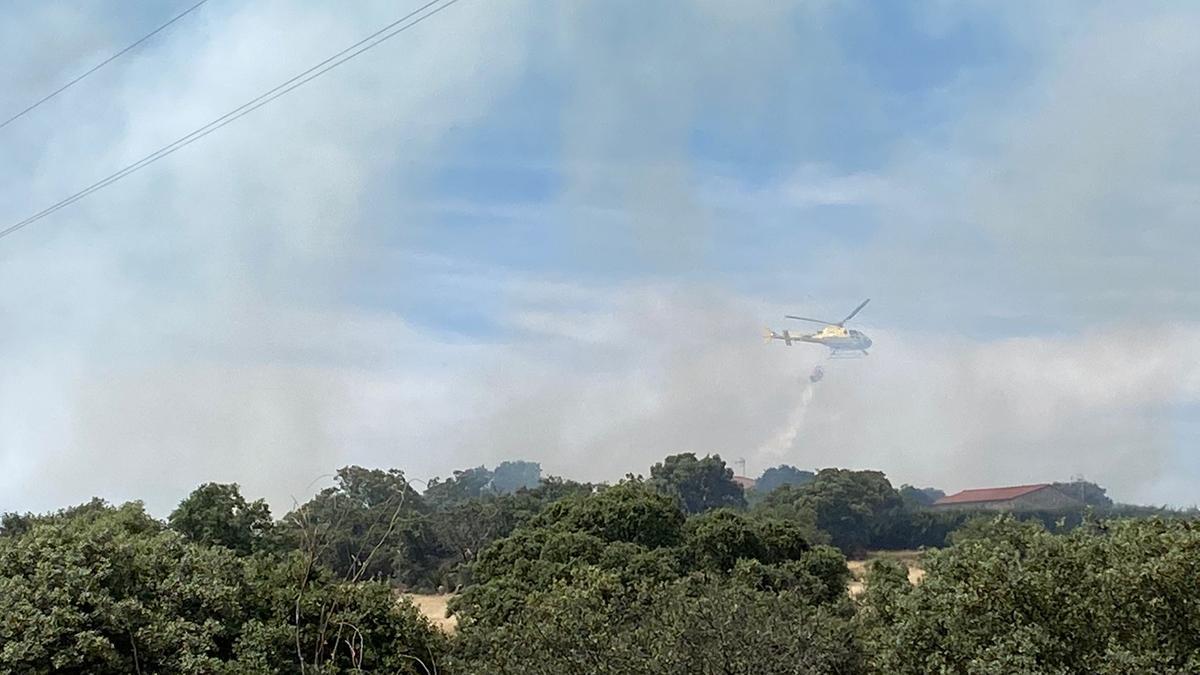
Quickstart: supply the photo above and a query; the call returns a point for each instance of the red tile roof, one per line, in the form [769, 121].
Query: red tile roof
[1001, 494]
[746, 483]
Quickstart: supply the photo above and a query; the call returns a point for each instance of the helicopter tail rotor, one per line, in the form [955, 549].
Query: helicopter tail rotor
[786, 336]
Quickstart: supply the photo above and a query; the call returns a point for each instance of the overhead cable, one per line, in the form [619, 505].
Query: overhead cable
[371, 41]
[100, 65]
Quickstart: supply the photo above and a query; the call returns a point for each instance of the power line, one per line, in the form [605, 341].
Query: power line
[100, 65]
[371, 41]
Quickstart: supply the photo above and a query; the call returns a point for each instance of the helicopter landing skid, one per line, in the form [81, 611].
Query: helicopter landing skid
[847, 355]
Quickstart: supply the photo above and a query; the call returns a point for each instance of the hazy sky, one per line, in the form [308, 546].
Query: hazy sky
[554, 231]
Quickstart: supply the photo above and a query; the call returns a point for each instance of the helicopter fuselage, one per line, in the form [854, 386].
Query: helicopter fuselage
[838, 339]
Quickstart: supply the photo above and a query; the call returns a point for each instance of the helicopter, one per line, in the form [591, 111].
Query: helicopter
[841, 341]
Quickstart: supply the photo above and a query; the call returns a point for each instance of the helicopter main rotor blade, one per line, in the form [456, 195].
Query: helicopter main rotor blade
[856, 311]
[804, 318]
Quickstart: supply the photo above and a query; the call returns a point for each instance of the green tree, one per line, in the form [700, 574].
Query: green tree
[630, 511]
[512, 476]
[915, 497]
[370, 525]
[626, 542]
[715, 627]
[463, 486]
[554, 488]
[717, 540]
[1114, 597]
[111, 590]
[764, 553]
[1085, 491]
[464, 528]
[699, 484]
[916, 527]
[851, 506]
[217, 514]
[595, 623]
[14, 524]
[778, 476]
[372, 488]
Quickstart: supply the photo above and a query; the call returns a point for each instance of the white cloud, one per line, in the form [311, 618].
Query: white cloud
[1094, 187]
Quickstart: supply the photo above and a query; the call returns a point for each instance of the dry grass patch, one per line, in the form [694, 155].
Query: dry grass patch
[434, 608]
[858, 568]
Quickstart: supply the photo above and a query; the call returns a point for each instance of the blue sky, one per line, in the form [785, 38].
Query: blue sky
[555, 230]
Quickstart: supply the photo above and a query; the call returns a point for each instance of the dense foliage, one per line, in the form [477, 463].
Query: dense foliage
[370, 525]
[512, 476]
[1087, 492]
[463, 486]
[218, 515]
[480, 481]
[111, 590]
[373, 525]
[851, 506]
[1119, 597]
[672, 574]
[918, 497]
[778, 476]
[621, 581]
[700, 484]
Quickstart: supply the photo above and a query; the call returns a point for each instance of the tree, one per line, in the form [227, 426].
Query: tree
[373, 488]
[702, 626]
[633, 538]
[462, 486]
[464, 528]
[15, 524]
[851, 506]
[630, 511]
[714, 627]
[778, 476]
[512, 476]
[785, 503]
[1113, 597]
[919, 527]
[1085, 491]
[111, 590]
[699, 484]
[915, 497]
[717, 540]
[216, 514]
[554, 488]
[370, 525]
[618, 581]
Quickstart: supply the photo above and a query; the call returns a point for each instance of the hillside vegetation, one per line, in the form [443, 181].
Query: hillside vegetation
[677, 572]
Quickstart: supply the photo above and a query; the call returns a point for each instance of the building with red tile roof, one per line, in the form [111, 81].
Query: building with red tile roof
[1036, 497]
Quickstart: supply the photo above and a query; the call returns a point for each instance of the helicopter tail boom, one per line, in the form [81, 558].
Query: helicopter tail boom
[786, 336]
